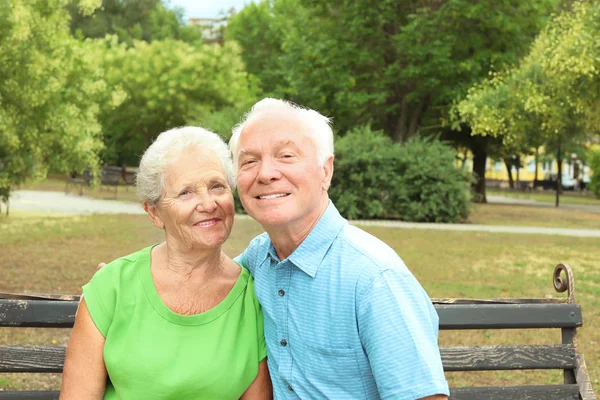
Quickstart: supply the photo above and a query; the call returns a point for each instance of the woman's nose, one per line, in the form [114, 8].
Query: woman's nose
[206, 203]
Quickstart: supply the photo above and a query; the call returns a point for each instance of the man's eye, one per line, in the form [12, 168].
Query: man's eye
[248, 162]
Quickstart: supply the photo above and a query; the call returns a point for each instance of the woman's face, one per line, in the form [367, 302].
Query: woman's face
[196, 208]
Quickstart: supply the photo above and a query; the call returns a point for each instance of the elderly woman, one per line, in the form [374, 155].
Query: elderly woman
[177, 320]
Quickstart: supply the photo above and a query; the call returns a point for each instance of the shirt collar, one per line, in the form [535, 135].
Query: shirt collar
[309, 255]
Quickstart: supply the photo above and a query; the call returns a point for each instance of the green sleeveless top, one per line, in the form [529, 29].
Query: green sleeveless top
[153, 353]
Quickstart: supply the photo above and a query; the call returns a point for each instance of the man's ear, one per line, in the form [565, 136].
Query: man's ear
[328, 169]
[154, 216]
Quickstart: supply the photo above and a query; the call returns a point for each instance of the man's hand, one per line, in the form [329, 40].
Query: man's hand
[100, 266]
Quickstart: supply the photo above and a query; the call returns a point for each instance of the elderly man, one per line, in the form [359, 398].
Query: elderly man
[344, 317]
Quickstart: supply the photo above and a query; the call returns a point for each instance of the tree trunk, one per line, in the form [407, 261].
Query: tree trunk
[537, 159]
[399, 131]
[559, 176]
[511, 182]
[415, 120]
[479, 161]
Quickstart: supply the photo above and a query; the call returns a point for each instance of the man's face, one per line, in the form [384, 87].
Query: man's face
[279, 180]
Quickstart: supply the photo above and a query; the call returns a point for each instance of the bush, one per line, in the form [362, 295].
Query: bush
[415, 181]
[594, 160]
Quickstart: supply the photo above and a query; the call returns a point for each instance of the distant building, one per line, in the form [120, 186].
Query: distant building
[575, 174]
[213, 29]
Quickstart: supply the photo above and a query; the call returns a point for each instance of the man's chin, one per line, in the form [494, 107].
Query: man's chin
[269, 217]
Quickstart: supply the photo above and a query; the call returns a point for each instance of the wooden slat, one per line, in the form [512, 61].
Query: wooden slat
[500, 301]
[586, 390]
[487, 358]
[37, 313]
[41, 313]
[483, 358]
[550, 392]
[508, 316]
[32, 358]
[30, 395]
[36, 296]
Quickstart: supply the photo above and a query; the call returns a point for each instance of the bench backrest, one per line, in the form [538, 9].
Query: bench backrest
[111, 176]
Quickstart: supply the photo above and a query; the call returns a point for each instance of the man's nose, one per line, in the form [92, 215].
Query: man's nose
[268, 171]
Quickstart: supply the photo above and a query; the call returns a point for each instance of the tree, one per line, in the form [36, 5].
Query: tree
[50, 93]
[594, 159]
[551, 98]
[398, 65]
[166, 84]
[131, 20]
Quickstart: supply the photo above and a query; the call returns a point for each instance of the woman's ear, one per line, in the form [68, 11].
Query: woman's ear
[154, 215]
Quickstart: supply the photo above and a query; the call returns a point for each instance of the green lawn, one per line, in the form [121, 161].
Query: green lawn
[545, 197]
[59, 254]
[522, 215]
[59, 184]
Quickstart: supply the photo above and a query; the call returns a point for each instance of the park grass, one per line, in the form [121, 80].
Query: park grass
[58, 254]
[58, 183]
[548, 197]
[525, 215]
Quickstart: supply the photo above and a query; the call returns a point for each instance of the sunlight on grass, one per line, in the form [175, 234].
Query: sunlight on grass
[547, 197]
[522, 215]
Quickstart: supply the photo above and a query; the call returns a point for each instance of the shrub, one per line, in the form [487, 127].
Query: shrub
[414, 181]
[594, 160]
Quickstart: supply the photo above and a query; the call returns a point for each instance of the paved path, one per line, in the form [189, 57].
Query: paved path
[60, 203]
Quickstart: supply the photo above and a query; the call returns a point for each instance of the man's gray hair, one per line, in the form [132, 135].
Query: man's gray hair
[168, 147]
[318, 126]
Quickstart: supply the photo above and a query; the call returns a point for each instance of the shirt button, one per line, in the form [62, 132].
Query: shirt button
[290, 388]
[283, 342]
[281, 292]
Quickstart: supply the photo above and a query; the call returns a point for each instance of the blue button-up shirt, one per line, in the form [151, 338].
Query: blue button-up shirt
[345, 318]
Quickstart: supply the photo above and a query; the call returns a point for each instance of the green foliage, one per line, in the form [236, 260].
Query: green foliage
[553, 94]
[131, 20]
[168, 83]
[416, 181]
[594, 162]
[50, 93]
[397, 65]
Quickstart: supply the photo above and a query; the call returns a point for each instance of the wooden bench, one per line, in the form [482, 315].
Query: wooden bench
[563, 314]
[109, 176]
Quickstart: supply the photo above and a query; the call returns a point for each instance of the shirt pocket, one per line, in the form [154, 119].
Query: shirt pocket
[337, 372]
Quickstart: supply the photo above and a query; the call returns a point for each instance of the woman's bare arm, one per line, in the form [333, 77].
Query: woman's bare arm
[261, 388]
[84, 374]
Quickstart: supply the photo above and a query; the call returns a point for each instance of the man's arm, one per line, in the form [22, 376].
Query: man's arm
[84, 375]
[261, 388]
[398, 328]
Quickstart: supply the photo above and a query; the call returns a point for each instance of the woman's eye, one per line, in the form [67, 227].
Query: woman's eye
[184, 192]
[218, 186]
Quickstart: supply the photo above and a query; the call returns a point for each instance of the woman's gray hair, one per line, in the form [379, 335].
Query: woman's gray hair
[318, 126]
[167, 147]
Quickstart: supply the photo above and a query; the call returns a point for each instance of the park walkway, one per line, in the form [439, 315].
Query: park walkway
[71, 204]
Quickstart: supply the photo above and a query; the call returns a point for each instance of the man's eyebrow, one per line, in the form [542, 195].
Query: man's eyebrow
[244, 152]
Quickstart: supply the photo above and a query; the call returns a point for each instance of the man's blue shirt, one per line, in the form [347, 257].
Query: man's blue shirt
[345, 318]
